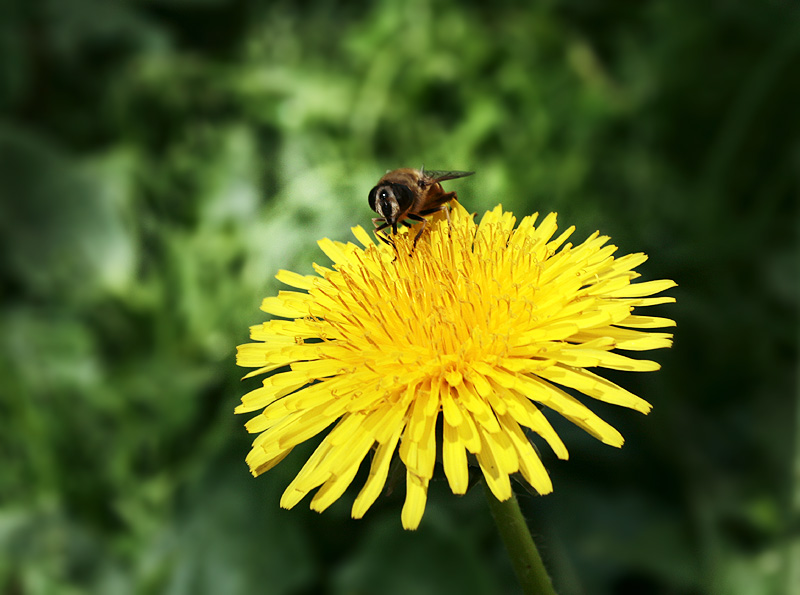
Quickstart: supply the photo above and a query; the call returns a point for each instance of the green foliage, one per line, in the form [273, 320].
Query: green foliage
[160, 161]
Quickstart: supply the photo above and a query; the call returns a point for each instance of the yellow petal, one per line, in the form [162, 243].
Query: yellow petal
[307, 479]
[496, 478]
[596, 386]
[342, 464]
[521, 409]
[362, 236]
[481, 412]
[454, 458]
[468, 433]
[451, 411]
[288, 304]
[644, 289]
[634, 321]
[378, 472]
[338, 252]
[530, 465]
[575, 411]
[418, 446]
[274, 388]
[296, 280]
[416, 498]
[585, 358]
[259, 464]
[332, 489]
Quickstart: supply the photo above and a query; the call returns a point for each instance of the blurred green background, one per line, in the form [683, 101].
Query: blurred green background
[160, 160]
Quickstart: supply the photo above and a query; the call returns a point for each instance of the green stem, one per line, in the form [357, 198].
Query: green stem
[528, 565]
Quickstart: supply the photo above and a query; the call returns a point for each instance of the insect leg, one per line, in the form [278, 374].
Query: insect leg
[421, 230]
[380, 236]
[384, 239]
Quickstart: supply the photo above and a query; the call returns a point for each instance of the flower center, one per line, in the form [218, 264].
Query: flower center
[456, 298]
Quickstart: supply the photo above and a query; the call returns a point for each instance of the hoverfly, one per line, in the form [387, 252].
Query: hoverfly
[413, 194]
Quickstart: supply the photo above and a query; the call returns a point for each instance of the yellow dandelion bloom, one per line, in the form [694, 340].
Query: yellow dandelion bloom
[483, 325]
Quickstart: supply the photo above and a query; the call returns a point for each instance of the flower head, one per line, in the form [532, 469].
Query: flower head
[481, 326]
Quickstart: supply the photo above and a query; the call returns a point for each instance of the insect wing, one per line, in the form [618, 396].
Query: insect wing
[434, 176]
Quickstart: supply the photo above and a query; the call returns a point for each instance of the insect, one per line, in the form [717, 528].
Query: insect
[413, 194]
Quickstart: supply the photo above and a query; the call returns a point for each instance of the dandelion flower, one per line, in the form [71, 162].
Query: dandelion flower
[474, 332]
